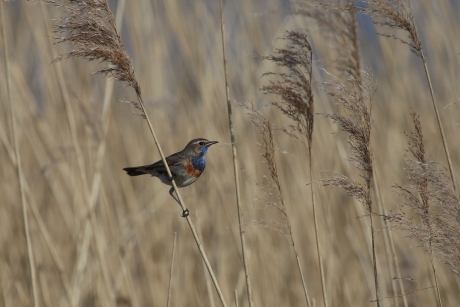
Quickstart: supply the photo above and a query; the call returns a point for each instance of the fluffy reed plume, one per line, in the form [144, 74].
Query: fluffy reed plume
[356, 101]
[294, 86]
[430, 206]
[397, 14]
[337, 20]
[294, 89]
[274, 190]
[91, 29]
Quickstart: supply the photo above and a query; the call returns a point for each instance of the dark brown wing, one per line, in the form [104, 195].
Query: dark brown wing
[157, 167]
[172, 160]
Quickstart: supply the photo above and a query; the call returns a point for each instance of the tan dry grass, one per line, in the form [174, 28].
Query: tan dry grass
[176, 52]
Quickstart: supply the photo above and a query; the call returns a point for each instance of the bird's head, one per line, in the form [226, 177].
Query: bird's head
[199, 146]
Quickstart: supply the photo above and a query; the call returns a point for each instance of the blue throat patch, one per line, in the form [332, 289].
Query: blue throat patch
[200, 162]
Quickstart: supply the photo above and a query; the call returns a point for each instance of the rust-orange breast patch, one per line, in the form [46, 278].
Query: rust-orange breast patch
[191, 170]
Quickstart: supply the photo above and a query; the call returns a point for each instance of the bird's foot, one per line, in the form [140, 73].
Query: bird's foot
[185, 213]
[171, 178]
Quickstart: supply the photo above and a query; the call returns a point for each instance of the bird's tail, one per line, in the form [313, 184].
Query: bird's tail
[136, 171]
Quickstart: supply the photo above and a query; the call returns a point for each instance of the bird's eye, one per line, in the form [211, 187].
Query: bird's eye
[201, 143]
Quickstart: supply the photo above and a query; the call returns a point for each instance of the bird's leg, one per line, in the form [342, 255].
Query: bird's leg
[171, 178]
[185, 213]
[171, 192]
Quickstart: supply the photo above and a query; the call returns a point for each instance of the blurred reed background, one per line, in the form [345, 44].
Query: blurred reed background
[176, 50]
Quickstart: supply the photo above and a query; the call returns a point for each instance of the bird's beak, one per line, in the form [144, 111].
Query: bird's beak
[211, 143]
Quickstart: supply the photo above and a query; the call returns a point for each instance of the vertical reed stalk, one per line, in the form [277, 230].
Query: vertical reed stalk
[171, 270]
[235, 163]
[374, 261]
[318, 247]
[356, 100]
[296, 95]
[396, 261]
[268, 152]
[307, 298]
[209, 289]
[304, 284]
[25, 218]
[417, 148]
[426, 184]
[438, 293]
[389, 242]
[441, 129]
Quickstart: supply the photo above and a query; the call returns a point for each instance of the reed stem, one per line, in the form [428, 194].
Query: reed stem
[374, 261]
[181, 202]
[25, 218]
[318, 248]
[171, 270]
[438, 118]
[235, 163]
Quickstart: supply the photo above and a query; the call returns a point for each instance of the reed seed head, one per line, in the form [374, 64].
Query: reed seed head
[355, 99]
[89, 26]
[294, 84]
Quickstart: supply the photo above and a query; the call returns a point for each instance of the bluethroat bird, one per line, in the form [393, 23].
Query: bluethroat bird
[186, 166]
